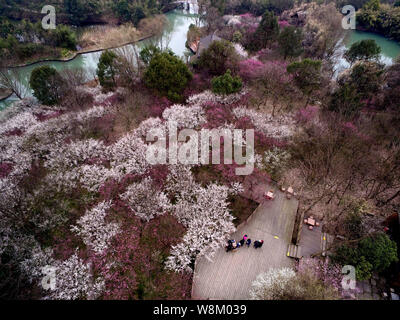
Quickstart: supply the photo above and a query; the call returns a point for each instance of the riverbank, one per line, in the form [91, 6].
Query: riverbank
[382, 19]
[377, 33]
[159, 21]
[78, 53]
[172, 35]
[7, 93]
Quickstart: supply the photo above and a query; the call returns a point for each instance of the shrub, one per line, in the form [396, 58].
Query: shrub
[372, 254]
[64, 37]
[251, 69]
[168, 74]
[226, 84]
[147, 53]
[28, 50]
[46, 84]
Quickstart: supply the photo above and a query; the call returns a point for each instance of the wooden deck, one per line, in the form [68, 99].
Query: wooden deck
[313, 241]
[310, 241]
[230, 274]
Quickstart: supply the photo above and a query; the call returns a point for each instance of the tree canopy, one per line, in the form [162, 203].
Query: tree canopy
[167, 74]
[64, 37]
[290, 42]
[129, 12]
[267, 30]
[218, 58]
[106, 70]
[226, 84]
[306, 75]
[46, 84]
[372, 254]
[80, 10]
[363, 50]
[147, 53]
[346, 100]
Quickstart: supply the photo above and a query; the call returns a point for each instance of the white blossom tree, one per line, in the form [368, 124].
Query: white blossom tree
[74, 280]
[272, 284]
[204, 211]
[278, 127]
[145, 200]
[93, 228]
[185, 116]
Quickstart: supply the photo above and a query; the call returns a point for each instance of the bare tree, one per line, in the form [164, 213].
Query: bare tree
[202, 12]
[160, 28]
[74, 77]
[154, 25]
[72, 96]
[213, 19]
[128, 65]
[131, 111]
[328, 21]
[13, 80]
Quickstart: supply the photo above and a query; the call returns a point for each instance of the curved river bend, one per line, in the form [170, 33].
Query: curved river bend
[174, 37]
[390, 49]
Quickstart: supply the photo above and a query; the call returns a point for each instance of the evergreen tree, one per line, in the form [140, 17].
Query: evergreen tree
[167, 74]
[226, 84]
[267, 31]
[106, 70]
[46, 84]
[306, 75]
[363, 50]
[290, 42]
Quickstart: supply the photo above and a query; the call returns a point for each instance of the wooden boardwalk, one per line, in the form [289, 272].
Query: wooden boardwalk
[230, 274]
[314, 242]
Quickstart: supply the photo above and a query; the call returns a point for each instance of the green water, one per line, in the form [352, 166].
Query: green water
[173, 37]
[390, 50]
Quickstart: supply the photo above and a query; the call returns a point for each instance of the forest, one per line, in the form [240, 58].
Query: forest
[79, 197]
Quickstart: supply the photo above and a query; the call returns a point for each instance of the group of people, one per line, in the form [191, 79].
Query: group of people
[232, 244]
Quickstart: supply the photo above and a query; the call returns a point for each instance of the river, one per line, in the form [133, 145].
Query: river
[174, 37]
[390, 49]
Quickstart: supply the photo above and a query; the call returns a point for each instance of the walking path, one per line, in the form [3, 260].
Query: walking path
[230, 274]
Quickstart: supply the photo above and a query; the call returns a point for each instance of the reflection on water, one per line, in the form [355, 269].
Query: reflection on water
[390, 49]
[173, 37]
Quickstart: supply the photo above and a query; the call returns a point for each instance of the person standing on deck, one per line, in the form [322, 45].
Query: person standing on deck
[258, 243]
[248, 242]
[243, 240]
